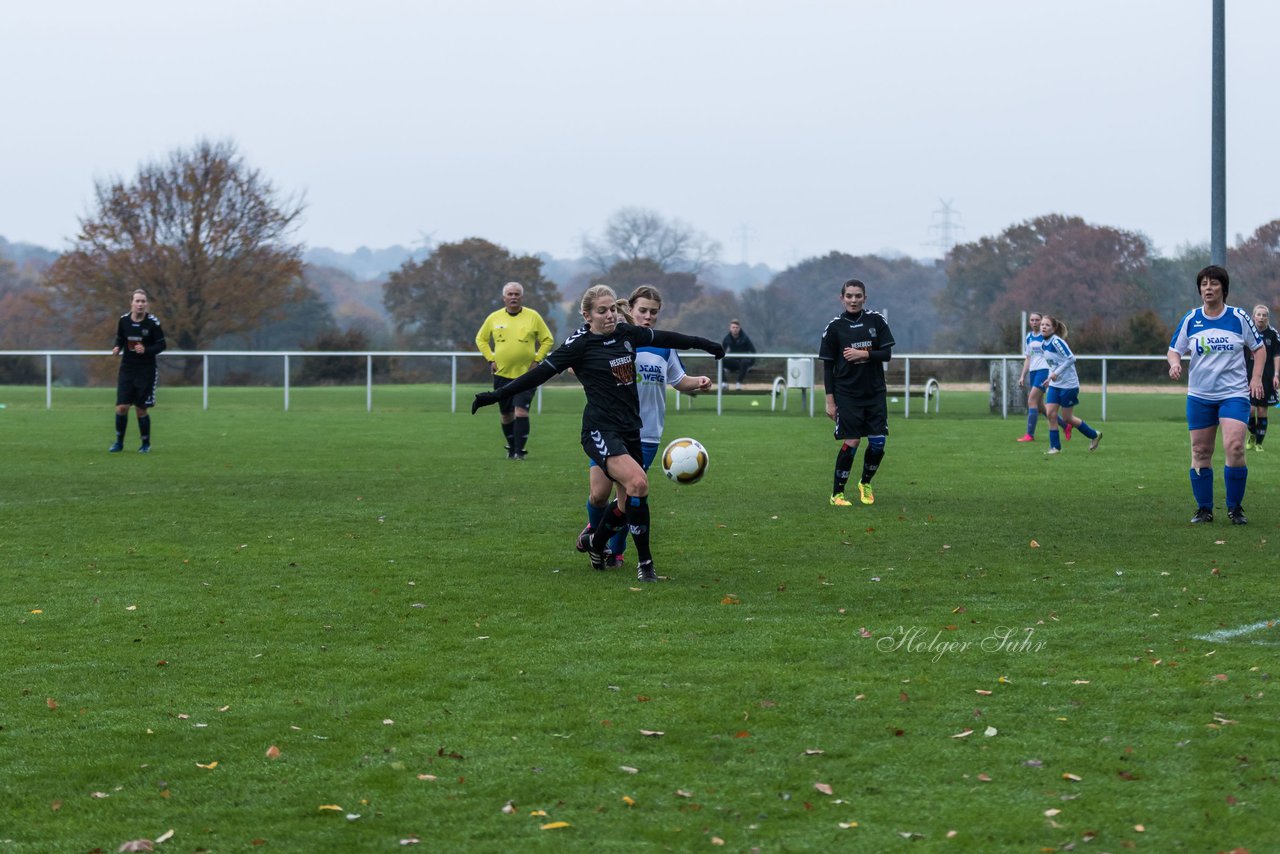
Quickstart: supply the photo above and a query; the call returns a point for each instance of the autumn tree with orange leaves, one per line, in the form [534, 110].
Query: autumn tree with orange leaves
[207, 236]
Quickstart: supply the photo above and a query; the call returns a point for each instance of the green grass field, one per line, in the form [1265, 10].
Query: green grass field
[1005, 653]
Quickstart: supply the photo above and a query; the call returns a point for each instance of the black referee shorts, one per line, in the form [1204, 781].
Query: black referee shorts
[521, 400]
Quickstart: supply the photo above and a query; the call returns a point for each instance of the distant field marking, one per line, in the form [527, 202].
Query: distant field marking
[1230, 634]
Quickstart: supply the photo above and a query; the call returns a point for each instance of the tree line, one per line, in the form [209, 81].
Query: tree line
[213, 241]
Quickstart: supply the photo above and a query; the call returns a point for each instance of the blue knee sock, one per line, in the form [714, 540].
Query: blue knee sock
[1033, 415]
[1054, 440]
[1202, 487]
[1089, 432]
[1235, 476]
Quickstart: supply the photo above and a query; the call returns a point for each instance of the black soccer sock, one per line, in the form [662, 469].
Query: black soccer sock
[144, 427]
[507, 430]
[614, 521]
[1253, 426]
[638, 524]
[1262, 430]
[122, 426]
[520, 434]
[871, 462]
[844, 466]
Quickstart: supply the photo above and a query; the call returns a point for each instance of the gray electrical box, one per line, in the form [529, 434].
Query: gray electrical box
[800, 373]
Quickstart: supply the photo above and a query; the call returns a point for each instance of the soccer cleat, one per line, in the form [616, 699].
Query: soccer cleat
[865, 495]
[840, 501]
[599, 559]
[1203, 514]
[1250, 443]
[145, 448]
[646, 572]
[116, 448]
[584, 539]
[1027, 438]
[613, 561]
[1258, 448]
[1052, 451]
[1093, 446]
[1236, 515]
[1067, 432]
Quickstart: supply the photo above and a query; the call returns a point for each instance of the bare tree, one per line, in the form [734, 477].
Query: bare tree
[634, 234]
[204, 234]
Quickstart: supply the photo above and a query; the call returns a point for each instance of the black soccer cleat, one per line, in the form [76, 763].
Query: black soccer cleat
[116, 448]
[1203, 514]
[646, 572]
[584, 539]
[145, 449]
[1236, 515]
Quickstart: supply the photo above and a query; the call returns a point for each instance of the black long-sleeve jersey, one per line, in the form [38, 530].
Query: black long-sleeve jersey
[866, 330]
[148, 331]
[605, 365]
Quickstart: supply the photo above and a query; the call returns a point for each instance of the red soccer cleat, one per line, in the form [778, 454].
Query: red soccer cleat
[1027, 438]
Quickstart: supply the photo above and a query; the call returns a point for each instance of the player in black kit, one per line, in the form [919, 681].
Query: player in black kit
[855, 348]
[140, 339]
[602, 353]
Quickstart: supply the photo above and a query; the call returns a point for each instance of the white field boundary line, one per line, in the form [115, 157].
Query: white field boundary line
[1231, 634]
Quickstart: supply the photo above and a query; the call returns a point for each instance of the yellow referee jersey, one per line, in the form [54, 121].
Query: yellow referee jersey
[518, 340]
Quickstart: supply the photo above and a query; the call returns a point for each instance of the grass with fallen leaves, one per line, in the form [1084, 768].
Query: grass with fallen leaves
[330, 629]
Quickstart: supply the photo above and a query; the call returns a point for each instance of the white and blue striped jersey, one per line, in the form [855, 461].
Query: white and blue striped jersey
[1061, 363]
[655, 368]
[1217, 346]
[1033, 347]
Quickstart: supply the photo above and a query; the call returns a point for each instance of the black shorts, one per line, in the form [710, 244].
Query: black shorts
[521, 400]
[136, 386]
[600, 445]
[1269, 400]
[857, 419]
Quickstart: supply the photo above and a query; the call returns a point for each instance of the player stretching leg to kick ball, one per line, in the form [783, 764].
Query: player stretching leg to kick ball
[602, 353]
[655, 368]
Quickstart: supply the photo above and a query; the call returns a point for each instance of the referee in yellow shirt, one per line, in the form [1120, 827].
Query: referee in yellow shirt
[520, 339]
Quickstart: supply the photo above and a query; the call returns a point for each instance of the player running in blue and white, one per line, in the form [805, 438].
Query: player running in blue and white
[1034, 371]
[1216, 336]
[656, 367]
[1063, 385]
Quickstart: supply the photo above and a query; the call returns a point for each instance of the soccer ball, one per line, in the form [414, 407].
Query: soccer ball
[685, 460]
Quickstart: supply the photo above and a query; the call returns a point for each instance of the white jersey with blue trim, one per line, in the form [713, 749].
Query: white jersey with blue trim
[1216, 346]
[1061, 363]
[656, 367]
[1033, 346]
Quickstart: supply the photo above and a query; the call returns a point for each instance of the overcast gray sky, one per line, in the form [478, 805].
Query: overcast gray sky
[806, 125]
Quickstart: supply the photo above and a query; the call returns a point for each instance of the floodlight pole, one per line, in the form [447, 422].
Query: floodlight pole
[1218, 190]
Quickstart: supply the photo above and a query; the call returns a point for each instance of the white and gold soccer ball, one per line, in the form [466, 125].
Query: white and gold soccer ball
[685, 460]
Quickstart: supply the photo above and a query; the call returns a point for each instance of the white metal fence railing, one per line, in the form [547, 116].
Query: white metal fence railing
[1005, 361]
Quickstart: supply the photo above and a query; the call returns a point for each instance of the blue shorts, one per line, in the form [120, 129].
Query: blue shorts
[1036, 379]
[647, 450]
[1067, 398]
[1203, 413]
